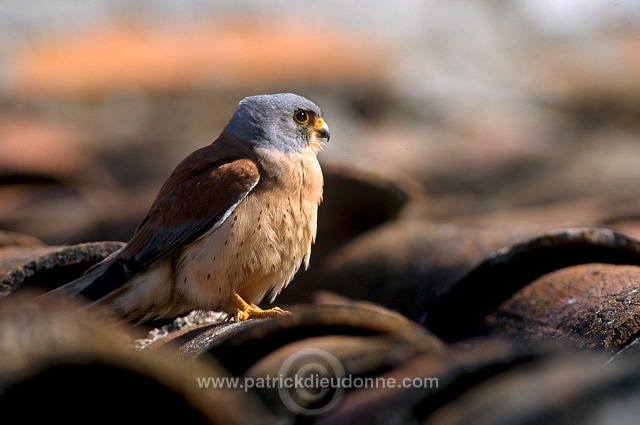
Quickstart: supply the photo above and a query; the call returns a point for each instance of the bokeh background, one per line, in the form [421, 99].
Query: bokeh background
[488, 106]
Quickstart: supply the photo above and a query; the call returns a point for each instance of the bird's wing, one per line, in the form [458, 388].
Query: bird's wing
[189, 209]
[194, 201]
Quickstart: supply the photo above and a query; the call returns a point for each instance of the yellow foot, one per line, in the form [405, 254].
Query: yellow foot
[247, 311]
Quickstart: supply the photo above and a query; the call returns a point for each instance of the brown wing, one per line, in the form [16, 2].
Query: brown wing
[196, 199]
[188, 210]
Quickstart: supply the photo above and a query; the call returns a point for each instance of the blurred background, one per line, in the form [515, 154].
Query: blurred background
[489, 106]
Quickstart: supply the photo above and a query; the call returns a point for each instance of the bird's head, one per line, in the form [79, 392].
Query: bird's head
[286, 122]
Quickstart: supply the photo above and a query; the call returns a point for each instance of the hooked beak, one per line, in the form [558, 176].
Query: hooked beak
[322, 130]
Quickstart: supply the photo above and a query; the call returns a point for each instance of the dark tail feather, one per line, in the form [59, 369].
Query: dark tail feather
[97, 282]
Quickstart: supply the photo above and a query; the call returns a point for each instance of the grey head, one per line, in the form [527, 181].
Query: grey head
[277, 121]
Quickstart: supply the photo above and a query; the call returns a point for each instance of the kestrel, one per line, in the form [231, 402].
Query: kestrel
[234, 221]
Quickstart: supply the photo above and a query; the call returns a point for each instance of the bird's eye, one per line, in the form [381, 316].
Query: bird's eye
[301, 117]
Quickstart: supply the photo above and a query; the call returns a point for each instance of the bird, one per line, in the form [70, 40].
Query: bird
[233, 222]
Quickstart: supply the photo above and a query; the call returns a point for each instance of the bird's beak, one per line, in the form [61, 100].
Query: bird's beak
[321, 129]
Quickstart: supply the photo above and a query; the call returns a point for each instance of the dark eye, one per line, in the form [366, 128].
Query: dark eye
[301, 117]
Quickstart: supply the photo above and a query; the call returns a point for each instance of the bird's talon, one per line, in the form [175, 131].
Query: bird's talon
[258, 313]
[247, 311]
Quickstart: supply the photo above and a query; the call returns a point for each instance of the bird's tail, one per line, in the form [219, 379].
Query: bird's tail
[85, 285]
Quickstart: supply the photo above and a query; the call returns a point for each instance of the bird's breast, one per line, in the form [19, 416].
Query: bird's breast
[264, 240]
